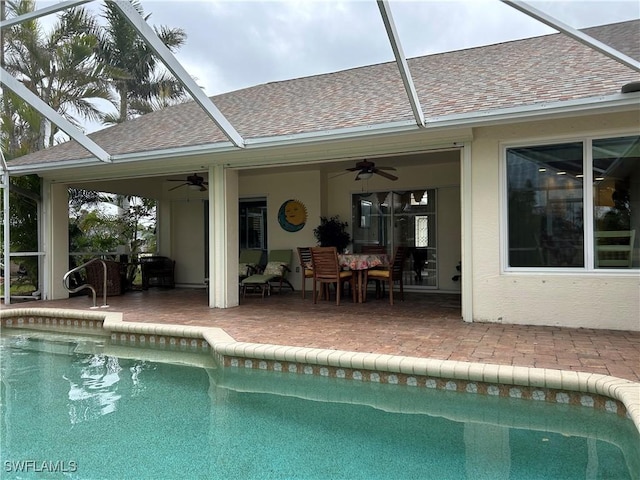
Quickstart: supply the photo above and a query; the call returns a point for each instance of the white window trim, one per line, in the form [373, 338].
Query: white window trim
[587, 165]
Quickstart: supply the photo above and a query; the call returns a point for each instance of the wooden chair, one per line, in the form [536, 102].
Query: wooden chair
[614, 248]
[374, 249]
[326, 270]
[392, 274]
[304, 255]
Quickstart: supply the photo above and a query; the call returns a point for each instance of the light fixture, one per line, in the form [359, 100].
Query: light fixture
[542, 169]
[561, 172]
[365, 175]
[193, 186]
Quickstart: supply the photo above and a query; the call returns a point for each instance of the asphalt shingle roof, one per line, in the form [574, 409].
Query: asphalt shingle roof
[543, 69]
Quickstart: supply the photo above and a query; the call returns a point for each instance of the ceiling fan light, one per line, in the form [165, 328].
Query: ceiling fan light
[365, 175]
[193, 186]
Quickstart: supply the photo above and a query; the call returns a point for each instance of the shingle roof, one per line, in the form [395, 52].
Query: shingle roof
[543, 69]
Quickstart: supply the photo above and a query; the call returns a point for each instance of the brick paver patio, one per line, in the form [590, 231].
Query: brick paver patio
[424, 325]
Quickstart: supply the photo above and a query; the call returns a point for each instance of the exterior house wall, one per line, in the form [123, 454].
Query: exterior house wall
[277, 188]
[608, 300]
[188, 241]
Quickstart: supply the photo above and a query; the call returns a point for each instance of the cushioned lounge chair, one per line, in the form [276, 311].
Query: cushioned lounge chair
[249, 262]
[274, 273]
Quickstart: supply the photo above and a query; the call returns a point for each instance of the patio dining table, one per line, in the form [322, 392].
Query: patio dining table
[361, 263]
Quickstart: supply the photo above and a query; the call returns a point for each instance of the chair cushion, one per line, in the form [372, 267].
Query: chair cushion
[274, 268]
[246, 269]
[378, 273]
[256, 279]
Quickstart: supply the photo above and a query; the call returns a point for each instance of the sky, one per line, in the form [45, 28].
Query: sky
[237, 44]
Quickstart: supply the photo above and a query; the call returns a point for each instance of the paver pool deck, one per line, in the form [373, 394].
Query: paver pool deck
[423, 326]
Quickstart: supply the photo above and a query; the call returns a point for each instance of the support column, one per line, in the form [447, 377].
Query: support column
[56, 239]
[223, 237]
[466, 280]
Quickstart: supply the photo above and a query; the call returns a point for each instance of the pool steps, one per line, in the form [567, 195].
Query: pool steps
[343, 364]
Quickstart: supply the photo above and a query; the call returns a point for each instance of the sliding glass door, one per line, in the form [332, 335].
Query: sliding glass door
[405, 218]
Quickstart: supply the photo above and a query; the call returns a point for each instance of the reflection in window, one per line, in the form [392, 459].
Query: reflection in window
[545, 201]
[616, 180]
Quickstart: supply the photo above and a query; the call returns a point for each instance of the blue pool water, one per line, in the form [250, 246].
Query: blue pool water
[83, 409]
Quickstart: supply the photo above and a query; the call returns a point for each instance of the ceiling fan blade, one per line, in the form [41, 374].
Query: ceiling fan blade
[385, 168]
[203, 188]
[172, 180]
[352, 169]
[178, 186]
[384, 174]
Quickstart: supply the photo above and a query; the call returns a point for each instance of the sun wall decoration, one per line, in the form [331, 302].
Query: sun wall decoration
[292, 215]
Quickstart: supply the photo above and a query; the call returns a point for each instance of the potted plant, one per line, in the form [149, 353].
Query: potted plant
[332, 232]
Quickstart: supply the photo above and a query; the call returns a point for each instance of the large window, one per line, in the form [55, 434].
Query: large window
[556, 220]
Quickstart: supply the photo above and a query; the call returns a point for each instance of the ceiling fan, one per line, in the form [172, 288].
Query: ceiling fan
[194, 182]
[366, 169]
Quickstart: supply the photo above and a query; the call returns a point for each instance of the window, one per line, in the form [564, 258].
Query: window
[556, 220]
[253, 224]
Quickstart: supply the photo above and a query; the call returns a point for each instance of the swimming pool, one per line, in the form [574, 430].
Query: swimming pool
[89, 408]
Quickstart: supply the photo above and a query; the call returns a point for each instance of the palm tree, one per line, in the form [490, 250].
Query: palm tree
[59, 66]
[139, 82]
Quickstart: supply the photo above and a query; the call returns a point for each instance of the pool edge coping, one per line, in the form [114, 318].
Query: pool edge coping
[625, 391]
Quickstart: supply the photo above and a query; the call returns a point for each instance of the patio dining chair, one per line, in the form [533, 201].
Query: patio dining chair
[326, 271]
[392, 274]
[304, 256]
[374, 249]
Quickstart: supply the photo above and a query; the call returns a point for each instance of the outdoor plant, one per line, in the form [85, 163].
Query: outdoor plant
[332, 232]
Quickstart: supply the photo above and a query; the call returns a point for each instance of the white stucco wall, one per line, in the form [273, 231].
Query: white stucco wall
[277, 188]
[583, 299]
[188, 241]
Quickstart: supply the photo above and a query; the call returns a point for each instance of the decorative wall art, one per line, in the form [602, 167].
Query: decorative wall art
[292, 215]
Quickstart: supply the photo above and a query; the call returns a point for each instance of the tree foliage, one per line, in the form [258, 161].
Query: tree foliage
[141, 84]
[60, 67]
[79, 67]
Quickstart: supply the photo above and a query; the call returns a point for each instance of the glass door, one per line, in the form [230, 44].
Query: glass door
[392, 219]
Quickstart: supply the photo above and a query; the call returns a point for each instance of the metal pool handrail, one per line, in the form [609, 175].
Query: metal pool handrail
[87, 285]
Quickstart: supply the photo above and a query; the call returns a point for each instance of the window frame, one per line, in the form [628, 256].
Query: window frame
[587, 198]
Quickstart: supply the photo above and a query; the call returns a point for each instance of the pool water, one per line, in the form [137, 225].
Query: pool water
[83, 409]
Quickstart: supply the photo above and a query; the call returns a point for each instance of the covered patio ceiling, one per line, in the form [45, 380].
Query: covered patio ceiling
[155, 184]
[207, 105]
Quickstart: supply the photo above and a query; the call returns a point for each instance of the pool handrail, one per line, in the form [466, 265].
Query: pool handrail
[88, 285]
